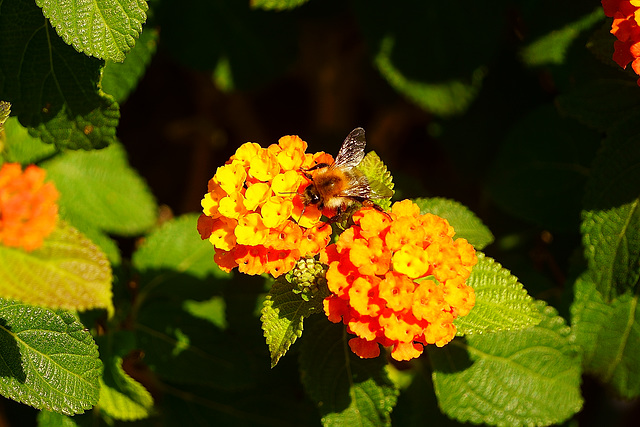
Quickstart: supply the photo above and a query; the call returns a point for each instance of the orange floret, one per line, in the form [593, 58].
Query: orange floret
[256, 195]
[363, 348]
[291, 155]
[287, 236]
[222, 233]
[370, 256]
[275, 211]
[363, 296]
[315, 239]
[398, 283]
[28, 209]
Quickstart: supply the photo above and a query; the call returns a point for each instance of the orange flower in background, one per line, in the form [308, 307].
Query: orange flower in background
[626, 28]
[398, 280]
[250, 214]
[28, 209]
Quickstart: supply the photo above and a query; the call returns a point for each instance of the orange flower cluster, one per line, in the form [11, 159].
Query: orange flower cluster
[626, 28]
[251, 215]
[398, 280]
[28, 209]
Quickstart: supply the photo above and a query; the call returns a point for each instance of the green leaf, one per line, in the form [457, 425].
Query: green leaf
[102, 240]
[106, 29]
[466, 223]
[283, 314]
[100, 189]
[53, 419]
[525, 377]
[176, 246]
[187, 350]
[212, 310]
[120, 79]
[589, 314]
[609, 334]
[348, 390]
[20, 147]
[68, 272]
[601, 103]
[49, 361]
[541, 170]
[122, 397]
[611, 216]
[445, 99]
[276, 4]
[380, 179]
[5, 110]
[437, 76]
[53, 88]
[552, 48]
[502, 304]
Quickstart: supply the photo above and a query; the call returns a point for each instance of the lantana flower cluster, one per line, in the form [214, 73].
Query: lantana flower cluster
[28, 206]
[626, 28]
[398, 280]
[251, 213]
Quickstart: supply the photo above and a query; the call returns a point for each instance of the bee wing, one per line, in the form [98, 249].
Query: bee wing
[352, 151]
[360, 187]
[379, 190]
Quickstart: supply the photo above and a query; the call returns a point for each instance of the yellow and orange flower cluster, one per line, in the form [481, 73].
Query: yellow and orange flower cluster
[251, 214]
[398, 279]
[28, 209]
[626, 28]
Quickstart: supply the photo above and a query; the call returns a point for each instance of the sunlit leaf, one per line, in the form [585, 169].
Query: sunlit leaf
[68, 271]
[466, 224]
[49, 360]
[502, 304]
[23, 148]
[283, 314]
[106, 29]
[100, 189]
[611, 216]
[526, 377]
[379, 177]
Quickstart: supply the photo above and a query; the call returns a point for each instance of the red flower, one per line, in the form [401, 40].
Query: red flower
[626, 28]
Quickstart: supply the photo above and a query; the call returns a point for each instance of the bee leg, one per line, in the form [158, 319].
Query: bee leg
[337, 217]
[318, 166]
[370, 204]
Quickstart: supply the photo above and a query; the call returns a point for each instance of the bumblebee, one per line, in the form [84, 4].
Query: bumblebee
[340, 185]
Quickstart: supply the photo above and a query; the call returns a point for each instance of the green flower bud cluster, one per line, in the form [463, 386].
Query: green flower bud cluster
[308, 278]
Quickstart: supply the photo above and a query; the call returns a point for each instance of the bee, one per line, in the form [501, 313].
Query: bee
[341, 184]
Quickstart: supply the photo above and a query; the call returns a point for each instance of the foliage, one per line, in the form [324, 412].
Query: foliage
[516, 109]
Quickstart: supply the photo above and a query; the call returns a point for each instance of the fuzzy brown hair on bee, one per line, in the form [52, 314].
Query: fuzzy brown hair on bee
[341, 184]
